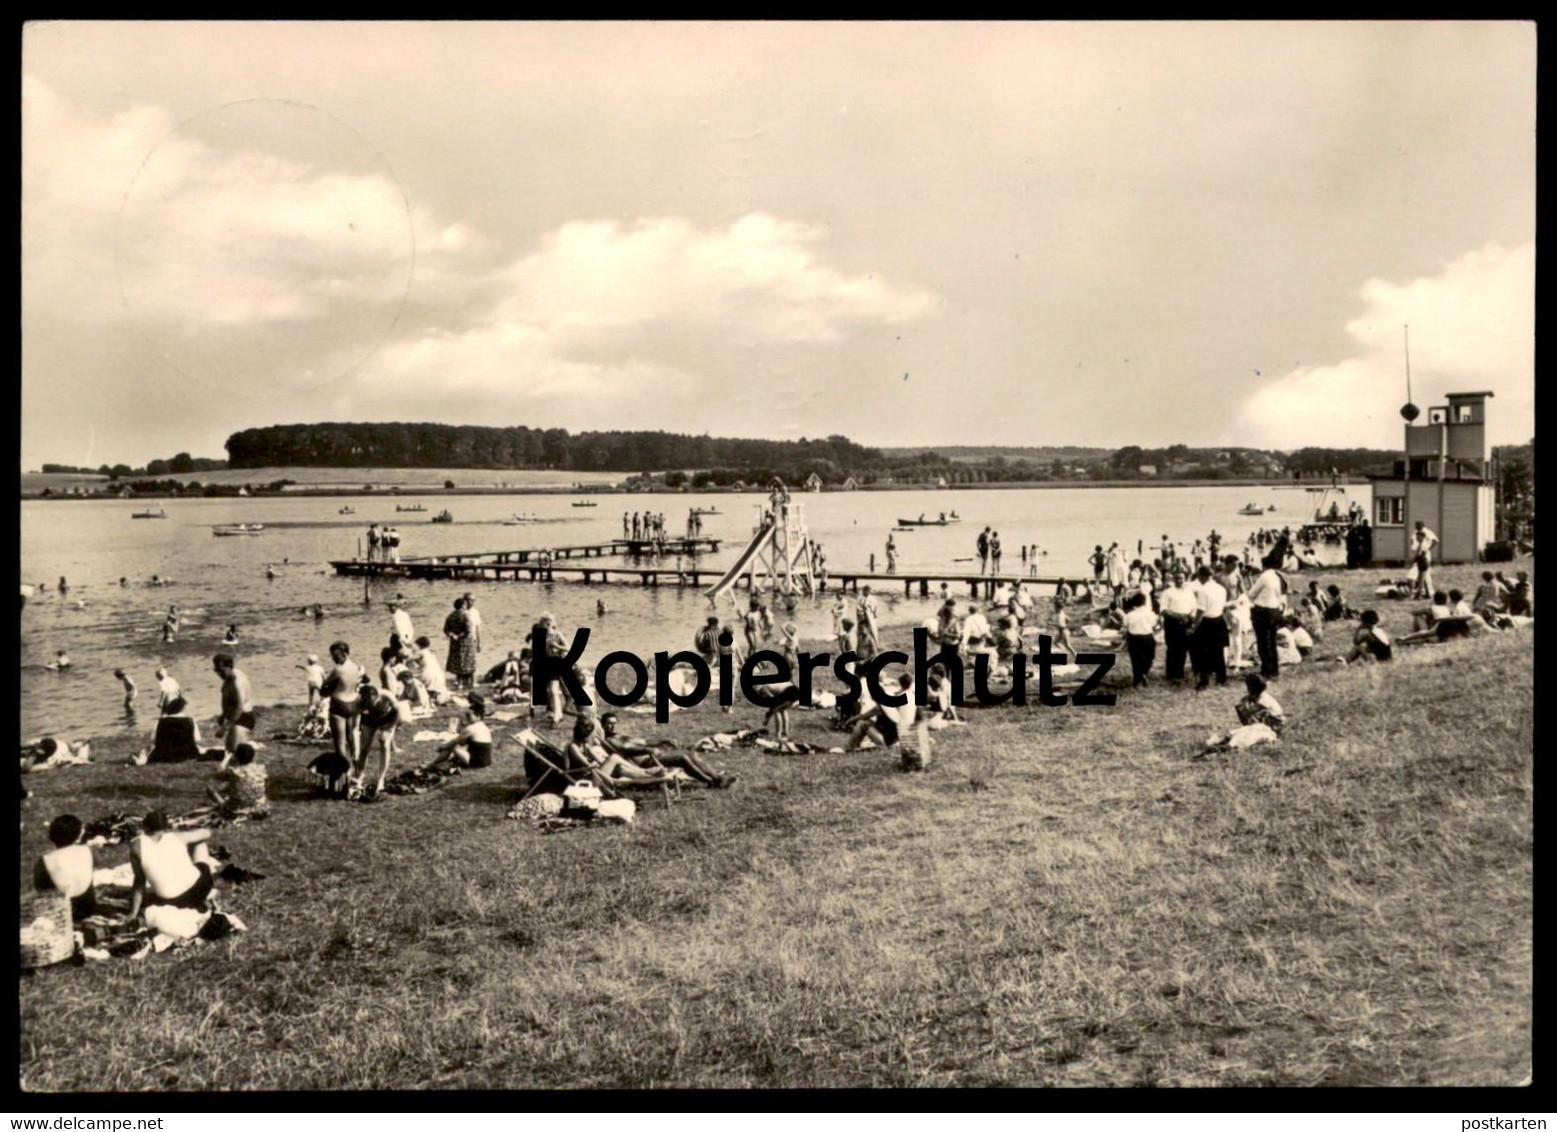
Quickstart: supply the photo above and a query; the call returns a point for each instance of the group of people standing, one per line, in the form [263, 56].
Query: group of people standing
[383, 545]
[648, 525]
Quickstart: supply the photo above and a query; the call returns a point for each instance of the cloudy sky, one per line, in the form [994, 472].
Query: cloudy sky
[958, 233]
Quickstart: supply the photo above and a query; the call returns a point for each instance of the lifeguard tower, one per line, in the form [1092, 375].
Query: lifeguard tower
[1445, 480]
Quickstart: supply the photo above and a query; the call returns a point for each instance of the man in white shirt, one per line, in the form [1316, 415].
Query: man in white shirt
[1178, 612]
[1140, 628]
[1268, 602]
[1209, 637]
[975, 630]
[1422, 544]
[400, 623]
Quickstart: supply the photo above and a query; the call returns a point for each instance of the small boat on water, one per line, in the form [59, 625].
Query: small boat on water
[442, 517]
[413, 509]
[586, 503]
[1251, 509]
[348, 511]
[923, 522]
[705, 510]
[232, 530]
[159, 513]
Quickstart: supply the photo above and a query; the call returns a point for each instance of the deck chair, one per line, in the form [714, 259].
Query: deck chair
[547, 768]
[550, 770]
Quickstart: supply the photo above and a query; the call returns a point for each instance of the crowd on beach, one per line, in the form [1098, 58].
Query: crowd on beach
[1214, 613]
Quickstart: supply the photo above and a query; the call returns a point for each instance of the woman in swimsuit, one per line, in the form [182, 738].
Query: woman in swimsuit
[472, 747]
[380, 719]
[341, 684]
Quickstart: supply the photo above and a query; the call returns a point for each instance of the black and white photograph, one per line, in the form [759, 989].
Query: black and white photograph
[775, 555]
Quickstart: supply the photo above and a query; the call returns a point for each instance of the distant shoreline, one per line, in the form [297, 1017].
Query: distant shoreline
[595, 492]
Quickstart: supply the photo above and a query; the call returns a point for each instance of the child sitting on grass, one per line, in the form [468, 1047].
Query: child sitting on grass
[242, 786]
[1370, 641]
[1259, 714]
[67, 867]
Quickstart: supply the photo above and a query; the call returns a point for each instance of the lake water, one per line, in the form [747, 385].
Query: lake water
[221, 581]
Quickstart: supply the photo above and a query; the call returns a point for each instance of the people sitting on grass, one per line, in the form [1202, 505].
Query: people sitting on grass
[1521, 596]
[1301, 637]
[414, 692]
[1370, 642]
[883, 724]
[1260, 718]
[67, 868]
[1311, 617]
[175, 739]
[1425, 621]
[1287, 651]
[242, 787]
[648, 757]
[431, 671]
[1490, 596]
[939, 693]
[172, 867]
[390, 666]
[472, 747]
[1337, 609]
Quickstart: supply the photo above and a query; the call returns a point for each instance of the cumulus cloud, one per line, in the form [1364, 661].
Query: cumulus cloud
[265, 250]
[760, 279]
[203, 237]
[582, 313]
[1472, 327]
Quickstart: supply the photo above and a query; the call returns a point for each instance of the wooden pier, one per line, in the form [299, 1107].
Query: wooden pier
[507, 566]
[631, 547]
[467, 570]
[979, 585]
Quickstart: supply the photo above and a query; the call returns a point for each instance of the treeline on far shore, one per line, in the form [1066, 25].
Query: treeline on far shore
[708, 461]
[658, 460]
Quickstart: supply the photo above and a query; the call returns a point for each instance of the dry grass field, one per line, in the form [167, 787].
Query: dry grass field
[1068, 897]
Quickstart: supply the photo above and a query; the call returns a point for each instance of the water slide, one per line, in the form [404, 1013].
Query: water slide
[759, 540]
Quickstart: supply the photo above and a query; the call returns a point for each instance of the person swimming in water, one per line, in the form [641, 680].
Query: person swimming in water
[231, 636]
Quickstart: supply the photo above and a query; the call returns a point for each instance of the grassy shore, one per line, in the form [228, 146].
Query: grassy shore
[1068, 897]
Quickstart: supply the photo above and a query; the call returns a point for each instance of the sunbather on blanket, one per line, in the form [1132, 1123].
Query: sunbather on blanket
[646, 757]
[171, 866]
[49, 752]
[67, 867]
